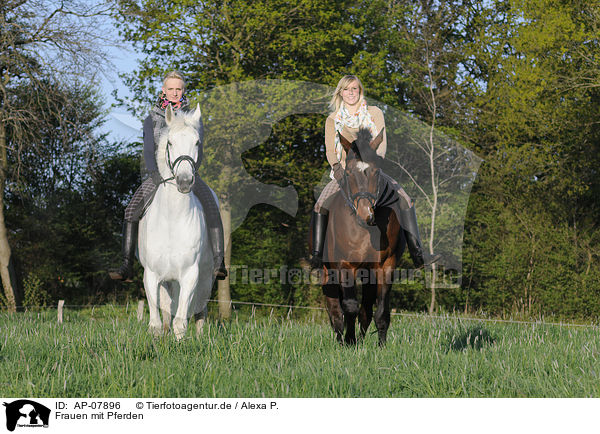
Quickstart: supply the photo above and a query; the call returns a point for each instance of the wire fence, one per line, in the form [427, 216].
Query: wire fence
[290, 308]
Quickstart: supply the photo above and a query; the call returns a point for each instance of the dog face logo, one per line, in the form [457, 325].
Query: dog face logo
[26, 413]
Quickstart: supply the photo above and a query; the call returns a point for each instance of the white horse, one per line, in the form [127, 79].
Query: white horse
[173, 243]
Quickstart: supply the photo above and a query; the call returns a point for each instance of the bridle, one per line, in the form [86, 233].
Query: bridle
[173, 165]
[353, 199]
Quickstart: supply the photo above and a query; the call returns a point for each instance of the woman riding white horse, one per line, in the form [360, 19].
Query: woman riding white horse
[173, 244]
[172, 95]
[349, 112]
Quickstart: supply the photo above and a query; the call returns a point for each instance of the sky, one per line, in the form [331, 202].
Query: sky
[120, 124]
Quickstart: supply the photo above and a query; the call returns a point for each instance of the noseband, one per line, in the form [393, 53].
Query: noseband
[173, 165]
[353, 199]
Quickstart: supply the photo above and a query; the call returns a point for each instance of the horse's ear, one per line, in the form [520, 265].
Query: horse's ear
[377, 140]
[197, 114]
[169, 115]
[345, 143]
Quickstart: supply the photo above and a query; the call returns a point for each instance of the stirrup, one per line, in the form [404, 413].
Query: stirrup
[220, 271]
[427, 260]
[430, 259]
[316, 261]
[124, 274]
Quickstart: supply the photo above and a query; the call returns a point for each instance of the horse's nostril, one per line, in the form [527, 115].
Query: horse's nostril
[184, 184]
[371, 219]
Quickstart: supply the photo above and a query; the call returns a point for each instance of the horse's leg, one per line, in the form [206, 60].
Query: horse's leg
[382, 314]
[187, 286]
[365, 315]
[334, 309]
[168, 294]
[350, 310]
[151, 285]
[200, 319]
[201, 297]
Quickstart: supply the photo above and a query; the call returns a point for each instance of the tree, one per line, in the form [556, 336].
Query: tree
[422, 45]
[535, 111]
[514, 81]
[66, 204]
[39, 40]
[220, 43]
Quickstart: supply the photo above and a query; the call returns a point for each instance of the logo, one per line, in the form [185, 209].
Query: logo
[26, 413]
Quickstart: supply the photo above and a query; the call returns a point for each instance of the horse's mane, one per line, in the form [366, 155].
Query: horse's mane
[180, 122]
[361, 151]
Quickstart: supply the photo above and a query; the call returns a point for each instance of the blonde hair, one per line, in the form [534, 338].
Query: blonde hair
[174, 74]
[336, 99]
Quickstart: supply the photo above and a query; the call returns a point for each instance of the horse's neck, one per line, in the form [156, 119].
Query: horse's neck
[176, 203]
[161, 159]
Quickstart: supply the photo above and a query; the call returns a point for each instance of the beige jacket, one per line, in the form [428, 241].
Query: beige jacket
[350, 134]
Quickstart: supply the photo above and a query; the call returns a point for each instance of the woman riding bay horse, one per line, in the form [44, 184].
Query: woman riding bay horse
[349, 112]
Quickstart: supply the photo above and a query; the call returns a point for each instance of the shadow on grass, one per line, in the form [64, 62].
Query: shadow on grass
[476, 337]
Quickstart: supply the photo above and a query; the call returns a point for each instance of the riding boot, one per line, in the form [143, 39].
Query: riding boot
[130, 232]
[319, 230]
[408, 221]
[215, 226]
[216, 239]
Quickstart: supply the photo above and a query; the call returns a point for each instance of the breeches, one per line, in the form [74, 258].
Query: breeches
[145, 193]
[139, 202]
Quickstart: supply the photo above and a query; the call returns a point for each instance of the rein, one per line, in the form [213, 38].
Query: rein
[352, 200]
[173, 165]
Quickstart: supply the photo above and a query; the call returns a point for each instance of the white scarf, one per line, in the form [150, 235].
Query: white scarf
[362, 118]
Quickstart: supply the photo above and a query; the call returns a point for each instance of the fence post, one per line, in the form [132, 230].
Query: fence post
[140, 310]
[61, 304]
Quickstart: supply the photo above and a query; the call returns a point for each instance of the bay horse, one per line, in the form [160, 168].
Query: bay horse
[173, 243]
[363, 244]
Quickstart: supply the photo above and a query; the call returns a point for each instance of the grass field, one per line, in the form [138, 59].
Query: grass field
[108, 353]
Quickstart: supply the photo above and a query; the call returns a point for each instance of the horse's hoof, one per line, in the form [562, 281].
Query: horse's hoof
[179, 328]
[156, 332]
[200, 327]
[179, 335]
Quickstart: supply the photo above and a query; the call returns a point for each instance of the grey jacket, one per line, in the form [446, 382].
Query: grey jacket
[153, 126]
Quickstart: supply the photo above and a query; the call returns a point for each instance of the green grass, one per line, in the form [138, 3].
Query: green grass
[108, 353]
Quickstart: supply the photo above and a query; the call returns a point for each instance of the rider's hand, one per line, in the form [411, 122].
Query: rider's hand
[156, 178]
[338, 172]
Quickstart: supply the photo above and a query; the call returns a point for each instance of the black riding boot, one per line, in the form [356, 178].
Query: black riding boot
[319, 230]
[215, 226]
[130, 232]
[218, 245]
[408, 221]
